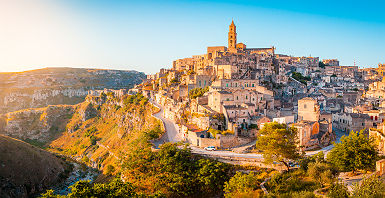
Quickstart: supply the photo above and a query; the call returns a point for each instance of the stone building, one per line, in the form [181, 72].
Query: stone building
[308, 132]
[308, 110]
[331, 62]
[351, 121]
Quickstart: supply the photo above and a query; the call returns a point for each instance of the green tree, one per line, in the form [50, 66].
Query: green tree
[321, 64]
[371, 187]
[175, 172]
[355, 151]
[278, 143]
[338, 190]
[322, 172]
[306, 160]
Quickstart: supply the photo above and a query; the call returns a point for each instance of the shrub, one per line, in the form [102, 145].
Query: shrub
[197, 92]
[338, 190]
[110, 169]
[370, 187]
[245, 184]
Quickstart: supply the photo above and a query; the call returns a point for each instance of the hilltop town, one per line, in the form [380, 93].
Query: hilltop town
[234, 121]
[224, 97]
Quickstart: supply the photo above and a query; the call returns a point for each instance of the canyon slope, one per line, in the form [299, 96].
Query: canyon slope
[53, 86]
[27, 170]
[97, 132]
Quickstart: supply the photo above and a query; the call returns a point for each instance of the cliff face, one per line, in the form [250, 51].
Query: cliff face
[52, 86]
[102, 131]
[36, 124]
[27, 170]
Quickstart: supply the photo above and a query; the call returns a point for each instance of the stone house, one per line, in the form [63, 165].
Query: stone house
[351, 121]
[308, 132]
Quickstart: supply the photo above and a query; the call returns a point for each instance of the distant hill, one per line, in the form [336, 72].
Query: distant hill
[52, 86]
[26, 170]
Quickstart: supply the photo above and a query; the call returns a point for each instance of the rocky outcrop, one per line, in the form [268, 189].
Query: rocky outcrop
[41, 124]
[27, 170]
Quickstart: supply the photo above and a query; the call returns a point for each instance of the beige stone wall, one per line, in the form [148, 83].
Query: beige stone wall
[380, 140]
[228, 141]
[205, 142]
[308, 110]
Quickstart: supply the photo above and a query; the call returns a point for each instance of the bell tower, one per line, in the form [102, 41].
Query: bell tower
[232, 40]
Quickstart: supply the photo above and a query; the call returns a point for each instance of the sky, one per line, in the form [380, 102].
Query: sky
[148, 35]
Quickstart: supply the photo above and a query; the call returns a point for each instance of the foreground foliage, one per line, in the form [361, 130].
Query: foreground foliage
[278, 143]
[245, 185]
[115, 188]
[174, 172]
[354, 152]
[372, 187]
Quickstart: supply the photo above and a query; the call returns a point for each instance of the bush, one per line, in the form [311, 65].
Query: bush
[197, 92]
[245, 184]
[110, 169]
[322, 172]
[289, 183]
[93, 140]
[300, 78]
[370, 187]
[338, 190]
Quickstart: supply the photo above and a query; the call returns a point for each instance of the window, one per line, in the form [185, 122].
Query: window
[236, 84]
[227, 85]
[304, 134]
[252, 85]
[227, 99]
[246, 97]
[304, 106]
[237, 97]
[205, 83]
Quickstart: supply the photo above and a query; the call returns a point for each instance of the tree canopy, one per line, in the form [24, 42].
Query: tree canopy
[115, 188]
[175, 172]
[356, 151]
[278, 143]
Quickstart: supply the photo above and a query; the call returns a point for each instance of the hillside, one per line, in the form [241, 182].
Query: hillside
[102, 130]
[52, 86]
[26, 170]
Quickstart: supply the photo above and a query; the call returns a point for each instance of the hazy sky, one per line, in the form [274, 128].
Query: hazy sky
[148, 35]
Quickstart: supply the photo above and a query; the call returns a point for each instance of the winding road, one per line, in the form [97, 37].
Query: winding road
[172, 135]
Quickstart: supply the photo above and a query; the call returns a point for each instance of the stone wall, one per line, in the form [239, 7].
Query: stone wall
[228, 141]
